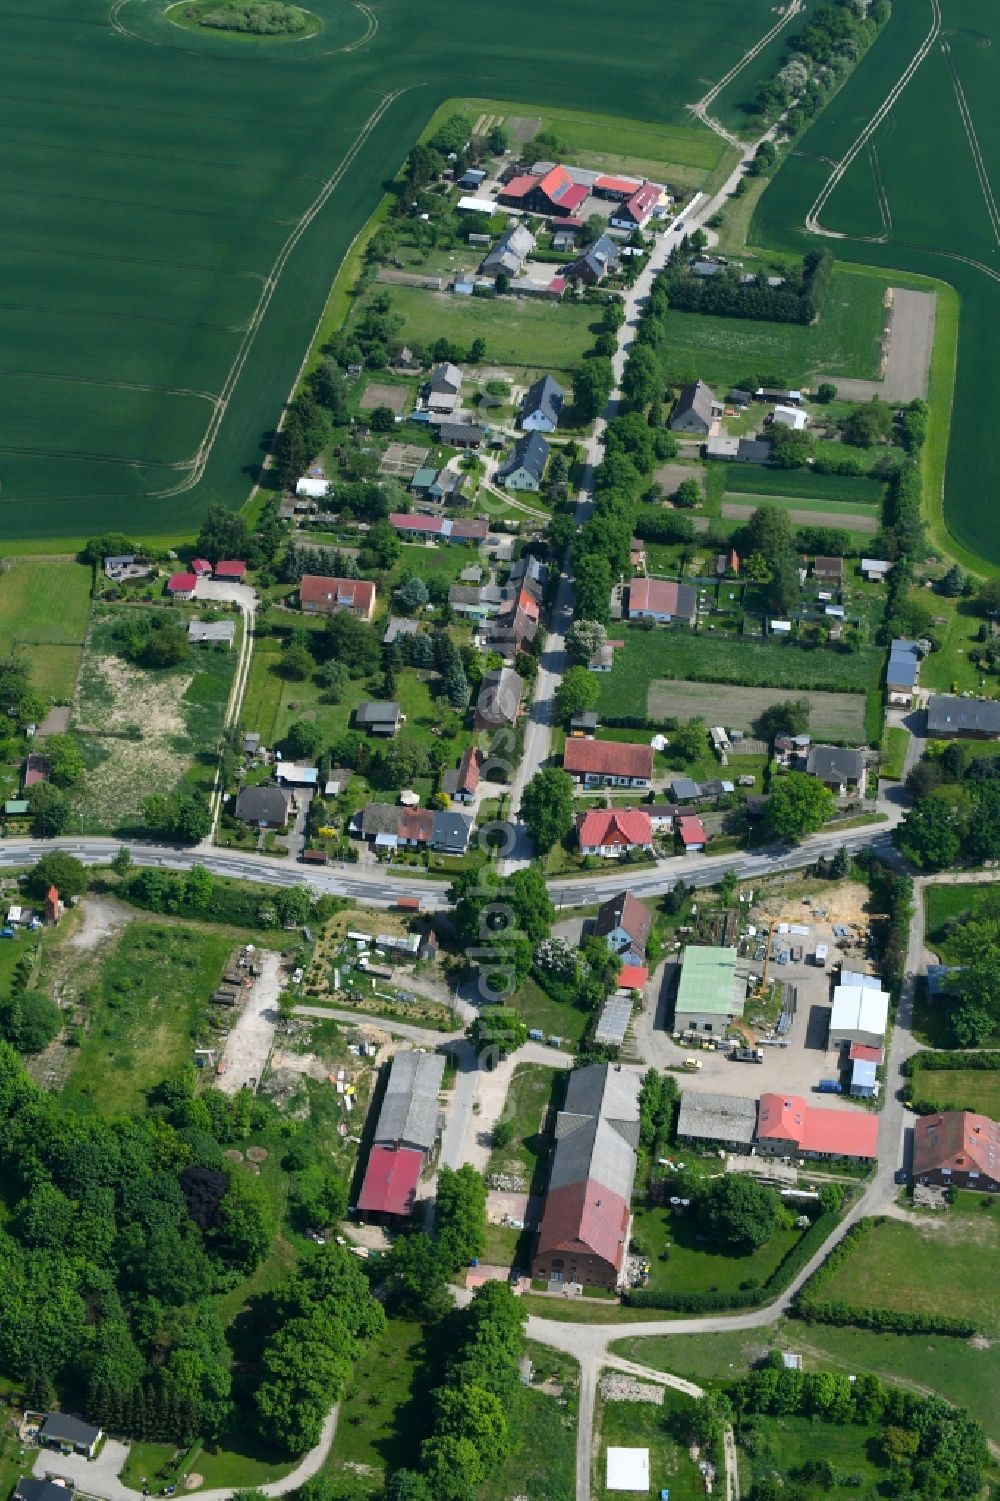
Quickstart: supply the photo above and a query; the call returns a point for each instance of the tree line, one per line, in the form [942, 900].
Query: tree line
[726, 295]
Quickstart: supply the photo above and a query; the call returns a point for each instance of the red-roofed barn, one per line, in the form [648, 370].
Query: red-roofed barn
[787, 1126]
[615, 763]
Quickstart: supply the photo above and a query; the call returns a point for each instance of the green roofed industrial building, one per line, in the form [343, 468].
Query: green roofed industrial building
[711, 991]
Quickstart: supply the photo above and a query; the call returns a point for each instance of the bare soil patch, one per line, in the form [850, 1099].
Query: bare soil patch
[734, 511]
[672, 475]
[402, 459]
[381, 394]
[840, 715]
[908, 360]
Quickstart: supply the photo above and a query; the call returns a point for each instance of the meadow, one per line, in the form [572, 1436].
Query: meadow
[651, 655]
[853, 489]
[43, 617]
[841, 716]
[167, 290]
[923, 208]
[844, 341]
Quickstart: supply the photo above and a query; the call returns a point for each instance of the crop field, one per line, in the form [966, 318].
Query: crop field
[841, 716]
[174, 228]
[844, 341]
[143, 731]
[43, 616]
[553, 335]
[756, 480]
[804, 512]
[649, 656]
[895, 216]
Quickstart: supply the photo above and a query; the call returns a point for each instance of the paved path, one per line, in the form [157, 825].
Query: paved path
[99, 1477]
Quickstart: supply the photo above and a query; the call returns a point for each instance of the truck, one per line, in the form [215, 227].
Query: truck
[692, 1065]
[748, 1055]
[828, 1086]
[819, 957]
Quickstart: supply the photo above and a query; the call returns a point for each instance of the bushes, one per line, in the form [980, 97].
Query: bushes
[887, 1320]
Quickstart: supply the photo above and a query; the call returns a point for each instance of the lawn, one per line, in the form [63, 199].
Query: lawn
[843, 342]
[646, 1425]
[804, 511]
[756, 480]
[701, 1357]
[850, 1448]
[384, 1416]
[923, 1267]
[841, 716]
[43, 616]
[555, 1018]
[144, 1012]
[533, 1090]
[941, 903]
[895, 742]
[959, 1089]
[144, 730]
[691, 1267]
[517, 330]
[545, 1471]
[949, 670]
[672, 654]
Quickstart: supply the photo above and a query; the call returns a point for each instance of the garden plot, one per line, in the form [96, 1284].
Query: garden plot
[851, 519]
[402, 460]
[839, 715]
[379, 393]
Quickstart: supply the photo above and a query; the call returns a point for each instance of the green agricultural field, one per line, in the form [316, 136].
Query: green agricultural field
[162, 296]
[43, 616]
[844, 341]
[923, 1267]
[648, 655]
[855, 489]
[959, 1088]
[524, 331]
[144, 730]
[144, 1012]
[895, 217]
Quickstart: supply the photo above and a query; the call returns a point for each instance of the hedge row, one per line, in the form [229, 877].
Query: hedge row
[745, 1297]
[890, 1320]
[982, 1059]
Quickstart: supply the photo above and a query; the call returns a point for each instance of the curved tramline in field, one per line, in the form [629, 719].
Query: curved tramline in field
[704, 104]
[370, 18]
[198, 463]
[861, 141]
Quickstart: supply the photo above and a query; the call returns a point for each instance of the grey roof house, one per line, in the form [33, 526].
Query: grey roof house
[378, 717]
[526, 465]
[596, 262]
[445, 380]
[66, 1432]
[265, 807]
[695, 409]
[840, 769]
[410, 1109]
[542, 405]
[951, 717]
[451, 832]
[498, 702]
[509, 253]
[379, 821]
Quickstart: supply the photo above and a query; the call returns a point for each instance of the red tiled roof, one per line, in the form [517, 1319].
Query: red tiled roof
[612, 758]
[404, 522]
[230, 568]
[416, 823]
[632, 977]
[584, 1219]
[316, 589]
[558, 285]
[391, 1180]
[616, 827]
[473, 530]
[560, 189]
[626, 186]
[957, 1139]
[859, 1052]
[528, 604]
[659, 595]
[692, 831]
[200, 566]
[843, 1133]
[468, 770]
[519, 187]
[181, 583]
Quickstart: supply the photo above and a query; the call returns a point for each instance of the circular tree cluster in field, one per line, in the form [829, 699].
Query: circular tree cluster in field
[252, 17]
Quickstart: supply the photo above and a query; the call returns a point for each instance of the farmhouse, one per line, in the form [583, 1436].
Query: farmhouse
[860, 1011]
[711, 990]
[612, 763]
[957, 1149]
[662, 600]
[717, 1120]
[842, 771]
[787, 1126]
[902, 674]
[182, 585]
[596, 262]
[554, 194]
[637, 210]
[542, 404]
[611, 832]
[266, 807]
[583, 1235]
[624, 923]
[524, 469]
[379, 717]
[498, 703]
[509, 254]
[953, 718]
[231, 571]
[212, 632]
[405, 1135]
[59, 1430]
[321, 595]
[439, 528]
[696, 410]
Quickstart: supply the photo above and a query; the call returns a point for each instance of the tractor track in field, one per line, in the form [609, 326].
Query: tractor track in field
[812, 223]
[271, 282]
[974, 146]
[704, 104]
